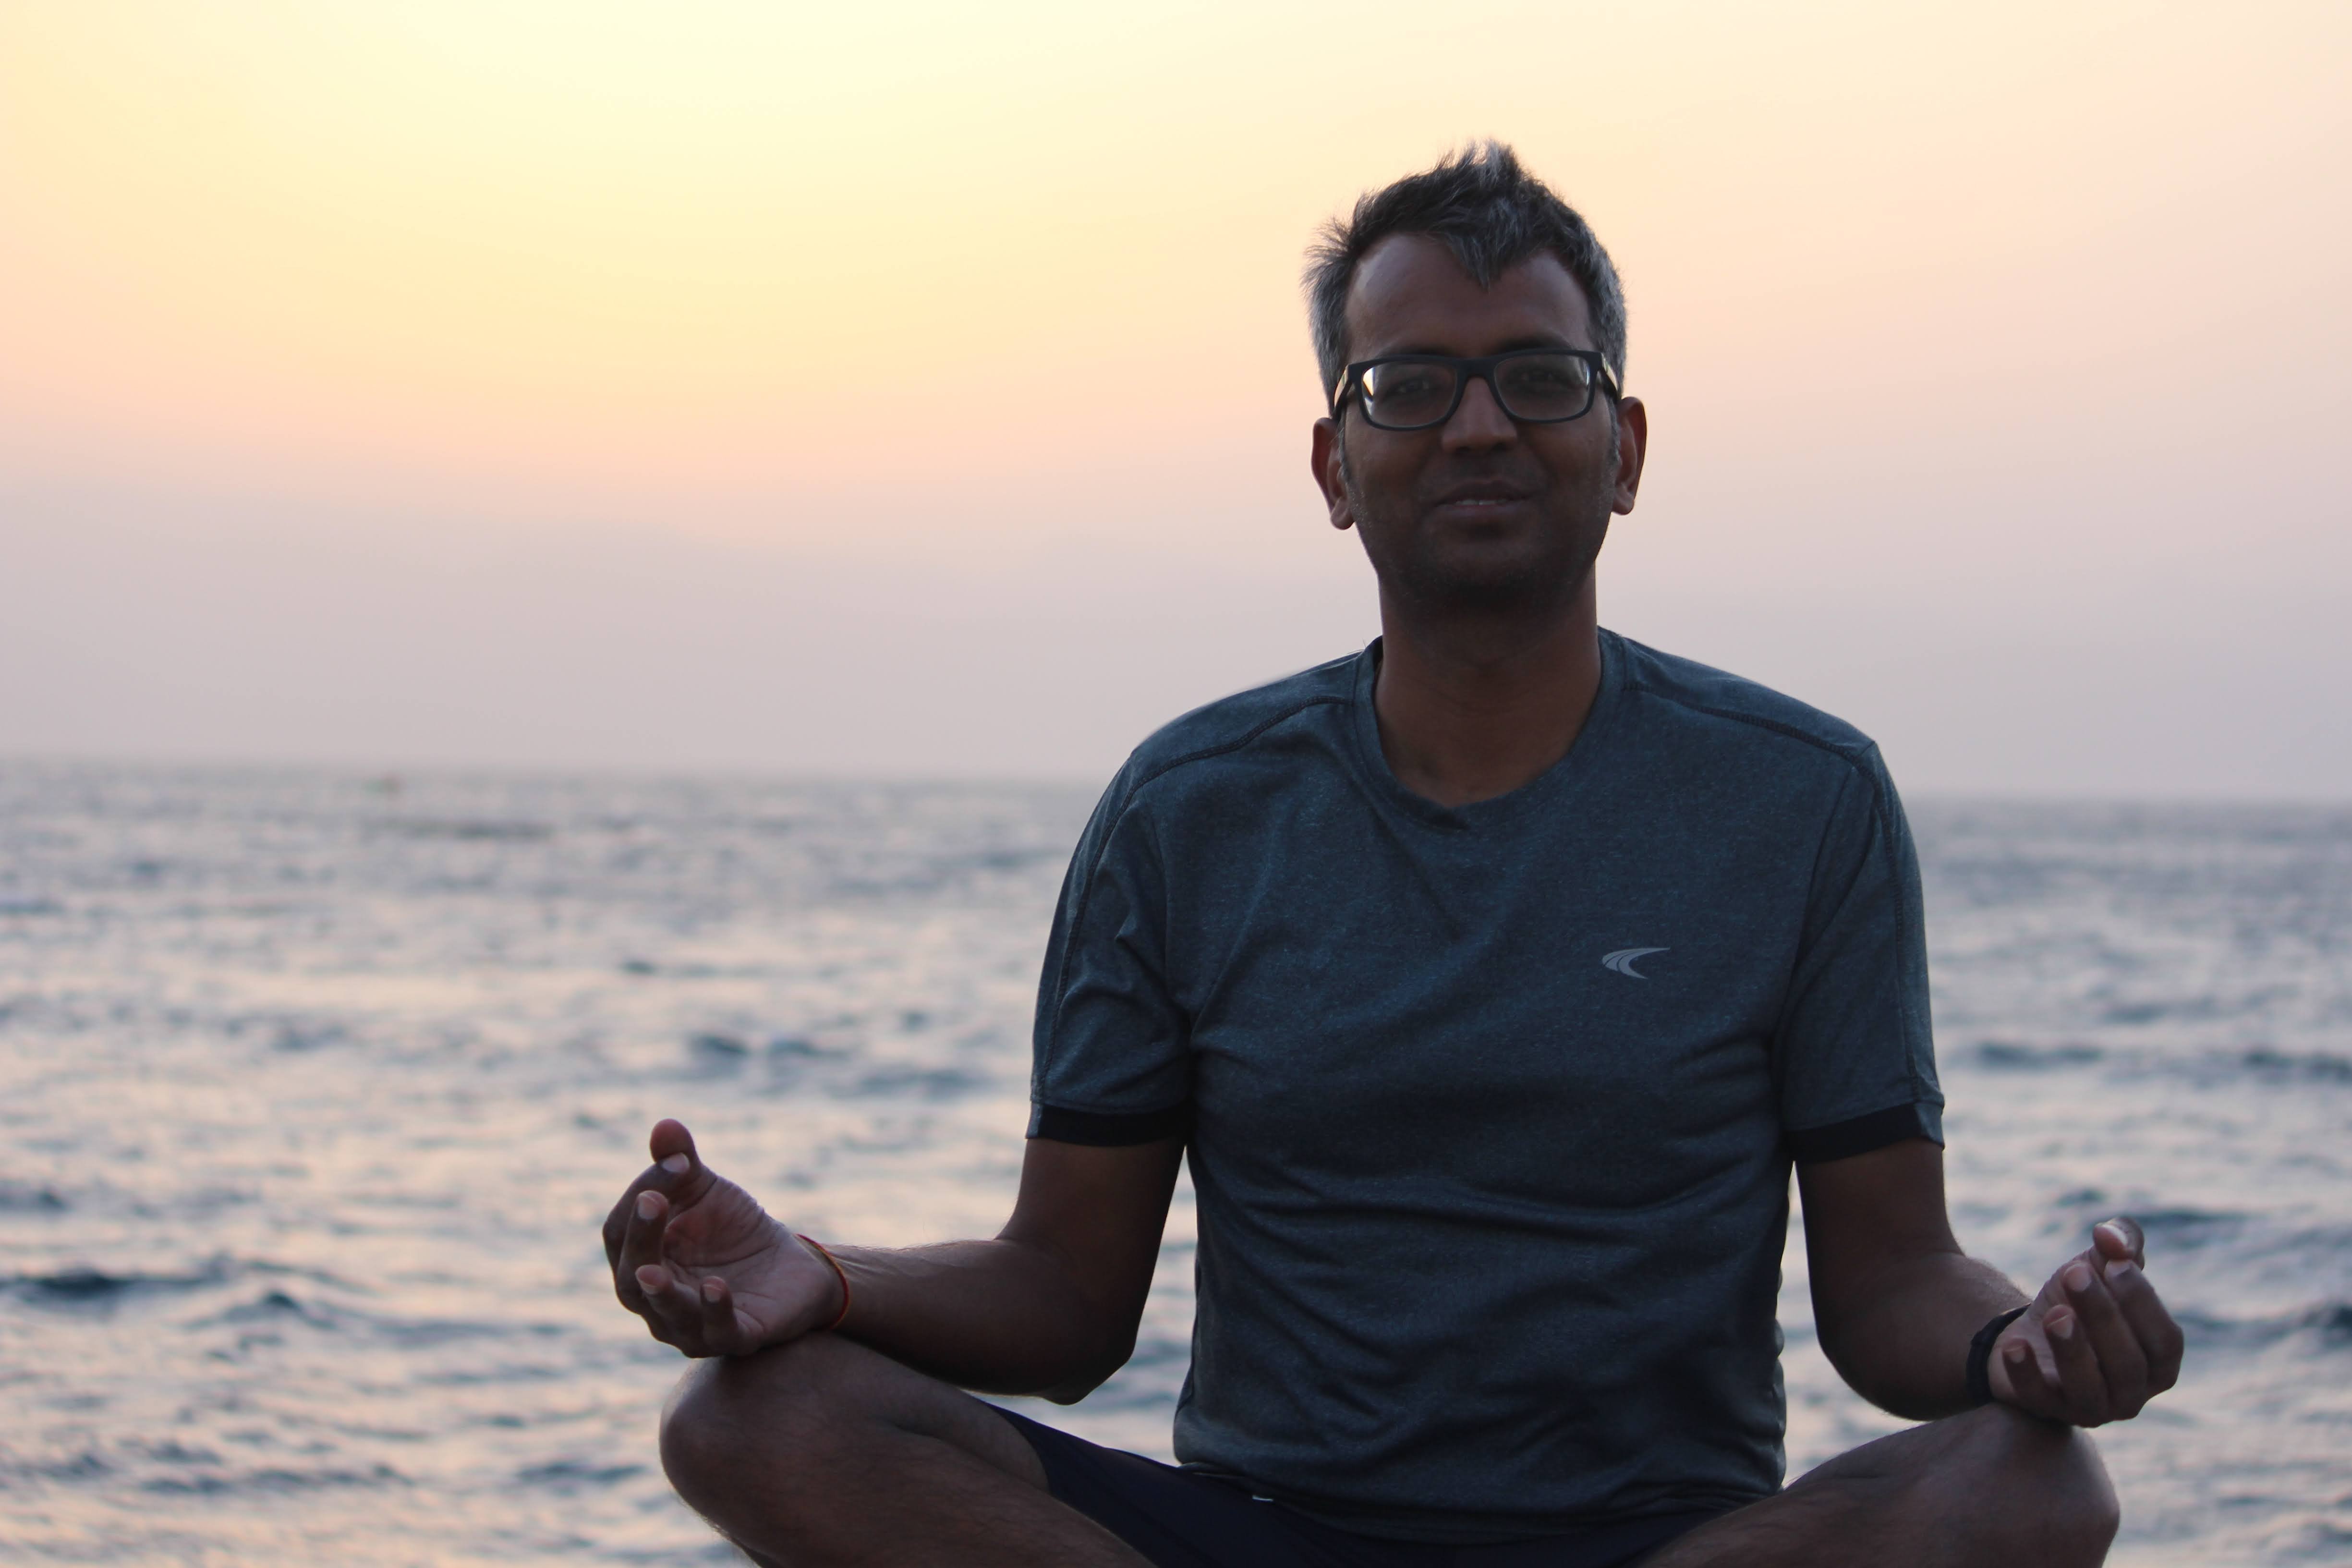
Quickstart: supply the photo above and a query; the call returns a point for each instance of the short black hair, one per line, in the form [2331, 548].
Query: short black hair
[1492, 215]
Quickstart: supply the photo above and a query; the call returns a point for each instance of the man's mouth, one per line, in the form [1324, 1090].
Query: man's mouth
[1481, 495]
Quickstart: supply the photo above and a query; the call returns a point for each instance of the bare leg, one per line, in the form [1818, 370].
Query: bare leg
[1991, 1488]
[823, 1452]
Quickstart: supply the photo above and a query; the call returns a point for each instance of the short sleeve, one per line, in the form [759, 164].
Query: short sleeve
[1112, 1062]
[1854, 1051]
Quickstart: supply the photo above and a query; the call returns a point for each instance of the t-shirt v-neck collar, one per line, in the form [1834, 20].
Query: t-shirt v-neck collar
[1546, 787]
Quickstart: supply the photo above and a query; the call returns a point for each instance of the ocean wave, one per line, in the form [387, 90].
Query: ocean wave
[282, 1306]
[573, 1475]
[2304, 1067]
[2326, 1327]
[275, 1306]
[801, 1046]
[277, 1478]
[2185, 1229]
[467, 830]
[83, 1286]
[907, 1082]
[18, 1197]
[719, 1051]
[2012, 1057]
[2263, 1064]
[295, 1036]
[87, 1465]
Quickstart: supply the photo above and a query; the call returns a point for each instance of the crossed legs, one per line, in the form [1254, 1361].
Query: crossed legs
[824, 1452]
[1991, 1488]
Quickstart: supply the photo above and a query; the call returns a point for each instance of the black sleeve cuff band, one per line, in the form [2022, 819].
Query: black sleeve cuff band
[1114, 1130]
[1843, 1140]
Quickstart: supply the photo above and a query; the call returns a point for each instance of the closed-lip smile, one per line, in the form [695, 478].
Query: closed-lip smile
[1482, 492]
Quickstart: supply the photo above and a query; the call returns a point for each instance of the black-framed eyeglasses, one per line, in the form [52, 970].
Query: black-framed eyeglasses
[1538, 386]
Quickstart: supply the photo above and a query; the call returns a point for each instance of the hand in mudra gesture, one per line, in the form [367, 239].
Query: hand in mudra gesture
[2097, 1343]
[708, 1269]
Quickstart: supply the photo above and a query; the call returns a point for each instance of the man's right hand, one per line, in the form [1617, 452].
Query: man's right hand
[708, 1269]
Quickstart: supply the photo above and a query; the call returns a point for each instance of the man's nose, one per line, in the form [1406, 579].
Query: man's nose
[1480, 421]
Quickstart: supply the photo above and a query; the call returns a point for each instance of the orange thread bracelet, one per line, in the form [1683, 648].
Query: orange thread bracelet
[813, 1245]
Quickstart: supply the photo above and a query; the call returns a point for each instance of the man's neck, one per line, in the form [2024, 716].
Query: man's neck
[1472, 705]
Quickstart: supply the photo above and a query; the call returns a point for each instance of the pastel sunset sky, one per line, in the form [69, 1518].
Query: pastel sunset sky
[924, 389]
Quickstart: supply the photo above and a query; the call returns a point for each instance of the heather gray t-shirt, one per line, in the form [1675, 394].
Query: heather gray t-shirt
[1491, 1109]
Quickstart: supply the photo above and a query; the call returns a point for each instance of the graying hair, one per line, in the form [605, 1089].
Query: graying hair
[1492, 215]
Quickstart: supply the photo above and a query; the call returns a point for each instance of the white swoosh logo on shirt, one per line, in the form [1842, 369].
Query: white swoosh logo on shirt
[1621, 960]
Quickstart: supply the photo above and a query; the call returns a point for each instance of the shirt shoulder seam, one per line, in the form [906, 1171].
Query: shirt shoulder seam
[1126, 799]
[1846, 754]
[1246, 737]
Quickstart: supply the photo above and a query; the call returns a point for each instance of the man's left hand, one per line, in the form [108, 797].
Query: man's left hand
[2097, 1345]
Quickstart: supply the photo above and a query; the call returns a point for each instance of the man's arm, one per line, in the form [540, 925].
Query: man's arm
[1049, 1307]
[1896, 1302]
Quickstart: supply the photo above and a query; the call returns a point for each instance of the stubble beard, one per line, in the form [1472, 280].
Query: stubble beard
[1416, 575]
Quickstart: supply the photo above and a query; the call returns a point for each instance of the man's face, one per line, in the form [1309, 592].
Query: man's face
[1480, 509]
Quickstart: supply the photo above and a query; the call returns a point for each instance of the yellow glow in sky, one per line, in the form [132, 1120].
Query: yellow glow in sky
[2018, 325]
[757, 246]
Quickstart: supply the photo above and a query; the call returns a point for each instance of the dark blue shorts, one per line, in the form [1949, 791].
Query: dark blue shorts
[1181, 1519]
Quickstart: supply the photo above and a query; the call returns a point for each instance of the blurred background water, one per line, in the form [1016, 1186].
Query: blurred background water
[314, 1087]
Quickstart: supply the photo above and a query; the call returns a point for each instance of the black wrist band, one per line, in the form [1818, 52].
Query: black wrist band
[1980, 1356]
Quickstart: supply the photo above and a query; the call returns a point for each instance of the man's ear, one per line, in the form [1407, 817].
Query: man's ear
[1329, 459]
[1632, 450]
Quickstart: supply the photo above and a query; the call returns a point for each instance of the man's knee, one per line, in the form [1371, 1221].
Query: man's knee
[2039, 1491]
[764, 1421]
[1991, 1489]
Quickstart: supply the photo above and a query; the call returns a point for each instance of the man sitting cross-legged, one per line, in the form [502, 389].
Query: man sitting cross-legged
[1492, 980]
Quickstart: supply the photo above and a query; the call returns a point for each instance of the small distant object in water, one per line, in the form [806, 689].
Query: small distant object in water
[385, 784]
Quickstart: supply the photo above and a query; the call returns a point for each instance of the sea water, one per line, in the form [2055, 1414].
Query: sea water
[315, 1087]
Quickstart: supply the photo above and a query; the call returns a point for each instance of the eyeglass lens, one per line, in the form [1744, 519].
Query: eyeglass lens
[1537, 388]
